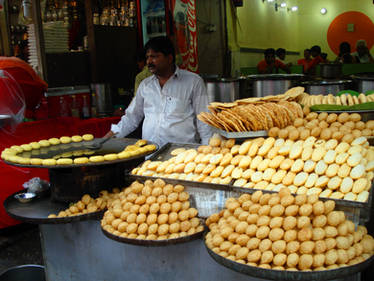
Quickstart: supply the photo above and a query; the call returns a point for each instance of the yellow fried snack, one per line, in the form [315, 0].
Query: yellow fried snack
[54, 141]
[49, 162]
[64, 161]
[97, 158]
[110, 157]
[87, 137]
[81, 160]
[76, 138]
[65, 139]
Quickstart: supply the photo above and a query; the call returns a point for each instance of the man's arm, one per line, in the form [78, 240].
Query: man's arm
[283, 66]
[199, 104]
[131, 119]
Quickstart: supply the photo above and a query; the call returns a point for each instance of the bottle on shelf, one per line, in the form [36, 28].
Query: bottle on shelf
[74, 107]
[93, 105]
[85, 108]
[64, 109]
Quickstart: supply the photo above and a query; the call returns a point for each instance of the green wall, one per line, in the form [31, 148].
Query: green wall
[258, 25]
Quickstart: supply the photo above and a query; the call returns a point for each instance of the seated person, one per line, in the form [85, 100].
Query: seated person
[362, 54]
[281, 54]
[345, 54]
[142, 68]
[270, 64]
[315, 51]
[305, 61]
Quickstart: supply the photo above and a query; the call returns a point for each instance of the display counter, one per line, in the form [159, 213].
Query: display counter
[12, 177]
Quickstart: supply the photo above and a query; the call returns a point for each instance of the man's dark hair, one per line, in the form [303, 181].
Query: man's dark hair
[344, 48]
[324, 56]
[280, 51]
[316, 49]
[269, 51]
[161, 44]
[307, 50]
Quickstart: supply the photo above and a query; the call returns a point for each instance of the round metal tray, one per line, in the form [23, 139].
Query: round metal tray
[290, 275]
[37, 211]
[153, 243]
[112, 146]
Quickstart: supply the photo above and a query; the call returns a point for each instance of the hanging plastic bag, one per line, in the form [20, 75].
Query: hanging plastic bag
[12, 100]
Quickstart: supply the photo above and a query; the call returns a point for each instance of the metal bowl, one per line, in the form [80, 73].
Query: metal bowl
[24, 197]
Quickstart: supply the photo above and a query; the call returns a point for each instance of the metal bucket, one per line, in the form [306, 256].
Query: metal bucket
[272, 84]
[223, 89]
[27, 272]
[325, 87]
[364, 83]
[104, 104]
[331, 70]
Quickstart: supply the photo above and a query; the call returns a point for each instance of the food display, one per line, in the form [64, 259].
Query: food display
[87, 204]
[348, 100]
[26, 154]
[330, 168]
[342, 127]
[254, 114]
[152, 211]
[285, 232]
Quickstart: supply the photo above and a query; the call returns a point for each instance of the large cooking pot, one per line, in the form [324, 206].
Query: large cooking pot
[223, 89]
[272, 84]
[364, 83]
[325, 87]
[330, 70]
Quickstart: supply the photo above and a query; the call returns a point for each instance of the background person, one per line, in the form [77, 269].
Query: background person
[345, 54]
[270, 64]
[281, 54]
[169, 101]
[306, 60]
[362, 54]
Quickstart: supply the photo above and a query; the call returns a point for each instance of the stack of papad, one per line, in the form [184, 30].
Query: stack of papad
[255, 114]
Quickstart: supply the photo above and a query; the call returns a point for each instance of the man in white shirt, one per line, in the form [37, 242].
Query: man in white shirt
[169, 101]
[362, 54]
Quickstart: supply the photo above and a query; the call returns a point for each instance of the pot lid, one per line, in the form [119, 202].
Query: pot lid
[326, 82]
[276, 76]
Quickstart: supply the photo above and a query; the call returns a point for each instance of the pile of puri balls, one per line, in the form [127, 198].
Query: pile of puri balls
[343, 127]
[88, 204]
[152, 211]
[331, 168]
[280, 231]
[26, 154]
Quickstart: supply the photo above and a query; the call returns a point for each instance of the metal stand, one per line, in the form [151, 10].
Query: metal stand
[80, 251]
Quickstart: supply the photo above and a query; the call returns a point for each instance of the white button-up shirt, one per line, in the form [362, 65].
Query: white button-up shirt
[169, 112]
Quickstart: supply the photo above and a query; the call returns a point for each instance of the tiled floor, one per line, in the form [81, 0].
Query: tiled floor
[19, 245]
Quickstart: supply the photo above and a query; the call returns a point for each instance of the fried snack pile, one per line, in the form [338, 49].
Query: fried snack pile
[254, 114]
[152, 211]
[328, 168]
[87, 204]
[25, 153]
[280, 231]
[343, 127]
[309, 100]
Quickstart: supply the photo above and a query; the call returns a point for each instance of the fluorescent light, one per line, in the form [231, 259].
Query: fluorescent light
[294, 8]
[323, 11]
[283, 5]
[270, 1]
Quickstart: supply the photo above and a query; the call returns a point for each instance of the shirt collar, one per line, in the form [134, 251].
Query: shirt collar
[177, 73]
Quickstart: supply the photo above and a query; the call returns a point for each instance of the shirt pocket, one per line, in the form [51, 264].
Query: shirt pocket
[177, 107]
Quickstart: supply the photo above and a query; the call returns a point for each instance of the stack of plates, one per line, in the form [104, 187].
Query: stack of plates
[56, 37]
[33, 56]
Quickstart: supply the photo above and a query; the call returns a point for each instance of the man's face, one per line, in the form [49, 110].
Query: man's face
[270, 58]
[307, 55]
[361, 50]
[282, 56]
[157, 62]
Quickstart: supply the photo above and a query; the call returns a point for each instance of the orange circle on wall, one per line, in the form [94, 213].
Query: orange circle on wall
[337, 32]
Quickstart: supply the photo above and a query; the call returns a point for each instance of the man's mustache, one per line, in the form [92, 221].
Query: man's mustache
[151, 65]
